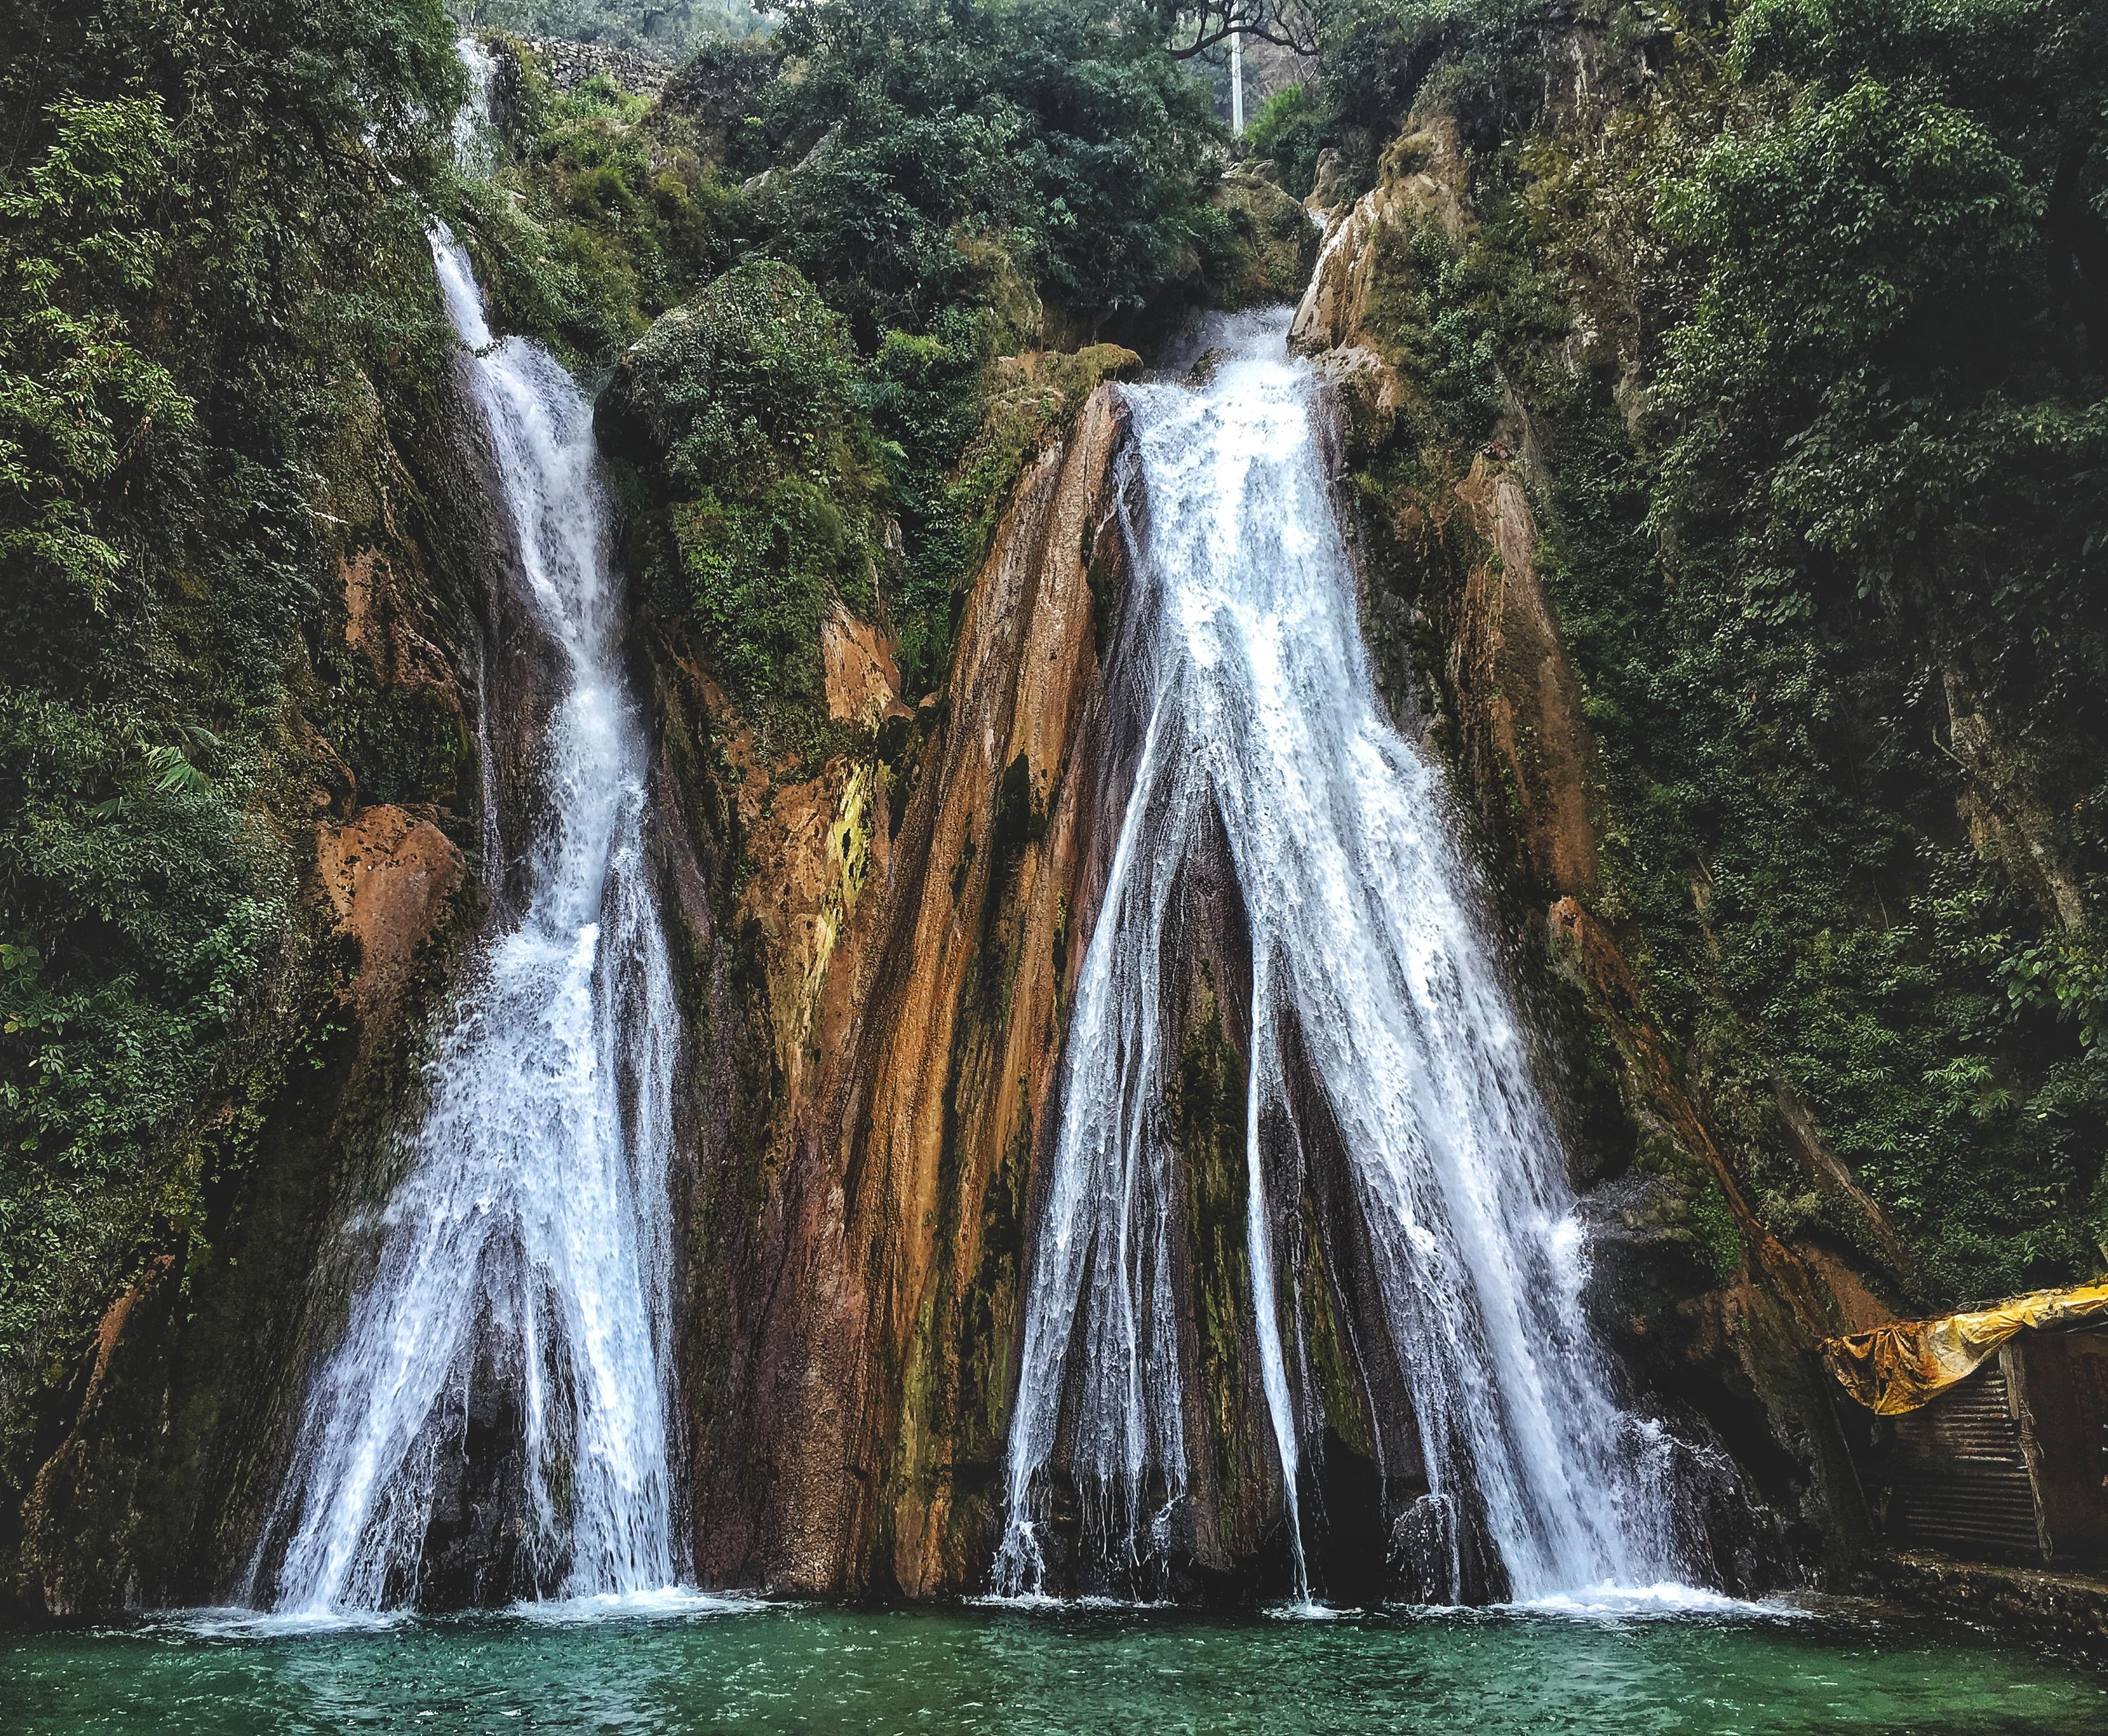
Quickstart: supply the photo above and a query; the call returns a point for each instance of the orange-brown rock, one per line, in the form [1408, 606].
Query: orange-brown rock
[917, 980]
[1516, 690]
[813, 843]
[382, 625]
[862, 681]
[1339, 322]
[389, 874]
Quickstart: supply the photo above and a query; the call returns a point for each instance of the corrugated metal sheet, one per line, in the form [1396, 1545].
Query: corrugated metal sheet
[1959, 1481]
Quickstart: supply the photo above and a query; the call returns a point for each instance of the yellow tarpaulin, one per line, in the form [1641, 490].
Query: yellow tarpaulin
[1895, 1368]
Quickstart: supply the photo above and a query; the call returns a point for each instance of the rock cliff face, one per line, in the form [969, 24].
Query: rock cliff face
[877, 927]
[883, 1002]
[883, 998]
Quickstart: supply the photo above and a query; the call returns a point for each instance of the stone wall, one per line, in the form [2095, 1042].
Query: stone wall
[571, 63]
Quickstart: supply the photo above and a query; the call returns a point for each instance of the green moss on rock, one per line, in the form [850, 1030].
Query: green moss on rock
[742, 409]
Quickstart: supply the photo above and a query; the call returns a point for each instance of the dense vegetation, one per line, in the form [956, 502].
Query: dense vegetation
[1802, 305]
[750, 403]
[207, 224]
[670, 29]
[958, 182]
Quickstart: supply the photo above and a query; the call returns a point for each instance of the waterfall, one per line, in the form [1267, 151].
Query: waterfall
[1368, 941]
[475, 142]
[528, 1242]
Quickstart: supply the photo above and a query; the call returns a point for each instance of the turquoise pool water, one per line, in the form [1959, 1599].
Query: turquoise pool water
[768, 1669]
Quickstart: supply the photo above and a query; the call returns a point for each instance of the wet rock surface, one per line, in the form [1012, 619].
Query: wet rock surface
[2063, 1609]
[856, 1409]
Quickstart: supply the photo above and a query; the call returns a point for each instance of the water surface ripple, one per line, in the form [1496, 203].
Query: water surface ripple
[746, 1671]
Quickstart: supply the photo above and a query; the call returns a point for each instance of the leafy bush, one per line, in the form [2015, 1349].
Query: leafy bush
[1480, 60]
[746, 404]
[1289, 131]
[668, 28]
[1058, 128]
[609, 214]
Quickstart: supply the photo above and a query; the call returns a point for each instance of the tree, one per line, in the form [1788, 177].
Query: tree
[1192, 27]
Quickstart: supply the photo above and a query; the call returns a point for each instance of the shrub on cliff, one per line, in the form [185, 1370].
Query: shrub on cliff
[1894, 377]
[744, 407]
[1888, 423]
[608, 213]
[1274, 246]
[665, 28]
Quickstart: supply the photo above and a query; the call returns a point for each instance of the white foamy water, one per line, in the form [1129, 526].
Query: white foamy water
[530, 1234]
[1665, 1602]
[1367, 936]
[475, 142]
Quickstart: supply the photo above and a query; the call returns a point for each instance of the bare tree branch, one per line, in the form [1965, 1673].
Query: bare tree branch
[1292, 25]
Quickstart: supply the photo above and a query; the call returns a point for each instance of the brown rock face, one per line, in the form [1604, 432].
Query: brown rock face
[388, 875]
[862, 682]
[915, 962]
[880, 1009]
[1337, 321]
[1516, 689]
[382, 625]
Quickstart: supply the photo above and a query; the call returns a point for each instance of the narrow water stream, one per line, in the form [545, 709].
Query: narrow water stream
[1368, 944]
[524, 1260]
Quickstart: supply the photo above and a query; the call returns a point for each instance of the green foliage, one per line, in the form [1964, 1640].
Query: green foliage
[1267, 248]
[1432, 307]
[2065, 975]
[748, 406]
[1480, 60]
[781, 455]
[1890, 381]
[205, 216]
[926, 398]
[939, 171]
[916, 127]
[74, 389]
[985, 156]
[1890, 417]
[668, 29]
[1289, 130]
[608, 214]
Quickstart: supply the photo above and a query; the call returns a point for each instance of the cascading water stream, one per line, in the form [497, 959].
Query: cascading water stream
[1367, 939]
[530, 1235]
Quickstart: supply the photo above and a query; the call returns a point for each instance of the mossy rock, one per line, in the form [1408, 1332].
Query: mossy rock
[741, 409]
[1278, 242]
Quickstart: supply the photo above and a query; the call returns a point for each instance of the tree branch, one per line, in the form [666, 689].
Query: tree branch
[1286, 24]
